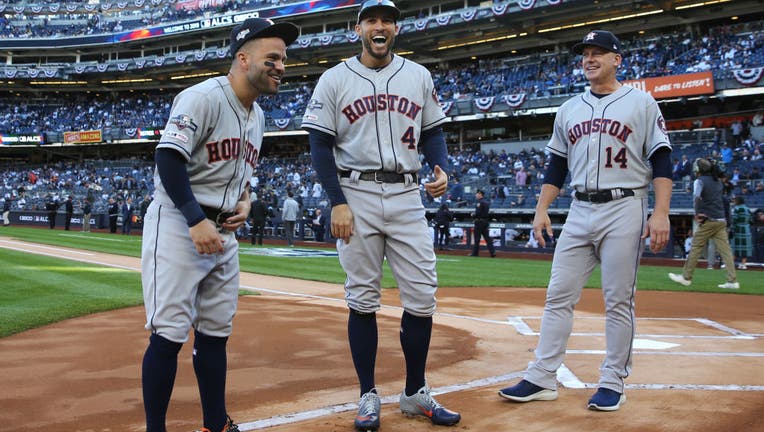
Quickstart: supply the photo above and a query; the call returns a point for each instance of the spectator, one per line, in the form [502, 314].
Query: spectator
[289, 215]
[741, 232]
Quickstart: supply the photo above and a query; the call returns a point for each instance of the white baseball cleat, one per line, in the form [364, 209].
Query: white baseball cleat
[679, 279]
[730, 285]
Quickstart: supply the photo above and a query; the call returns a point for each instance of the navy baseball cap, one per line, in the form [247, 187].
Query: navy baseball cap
[601, 38]
[382, 5]
[254, 28]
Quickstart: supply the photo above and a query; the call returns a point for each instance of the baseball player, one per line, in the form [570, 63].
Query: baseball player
[604, 138]
[367, 120]
[189, 261]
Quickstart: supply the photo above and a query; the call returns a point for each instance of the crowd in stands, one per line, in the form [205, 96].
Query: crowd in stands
[511, 180]
[115, 20]
[538, 75]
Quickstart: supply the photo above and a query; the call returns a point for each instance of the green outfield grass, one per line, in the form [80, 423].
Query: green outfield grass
[42, 289]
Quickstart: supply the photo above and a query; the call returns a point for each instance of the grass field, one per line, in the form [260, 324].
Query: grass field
[41, 290]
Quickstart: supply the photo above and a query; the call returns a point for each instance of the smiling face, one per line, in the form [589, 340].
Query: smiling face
[377, 33]
[264, 62]
[599, 65]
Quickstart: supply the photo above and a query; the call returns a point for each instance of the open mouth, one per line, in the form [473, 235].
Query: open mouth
[379, 40]
[276, 78]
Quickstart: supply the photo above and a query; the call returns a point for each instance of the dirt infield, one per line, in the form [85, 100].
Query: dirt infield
[697, 364]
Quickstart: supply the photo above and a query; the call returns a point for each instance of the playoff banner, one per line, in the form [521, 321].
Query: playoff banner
[671, 86]
[81, 137]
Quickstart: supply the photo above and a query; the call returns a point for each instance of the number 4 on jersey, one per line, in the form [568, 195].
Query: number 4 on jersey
[409, 138]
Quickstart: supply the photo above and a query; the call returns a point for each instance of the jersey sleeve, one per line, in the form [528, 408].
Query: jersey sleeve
[432, 113]
[558, 143]
[656, 134]
[188, 124]
[320, 113]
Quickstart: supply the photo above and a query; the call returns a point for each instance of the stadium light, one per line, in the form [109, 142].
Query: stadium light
[708, 3]
[56, 82]
[127, 81]
[204, 74]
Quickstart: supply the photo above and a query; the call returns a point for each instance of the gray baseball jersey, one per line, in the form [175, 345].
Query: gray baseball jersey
[221, 140]
[607, 142]
[378, 119]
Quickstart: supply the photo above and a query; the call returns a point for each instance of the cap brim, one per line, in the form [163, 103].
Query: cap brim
[579, 47]
[284, 30]
[389, 9]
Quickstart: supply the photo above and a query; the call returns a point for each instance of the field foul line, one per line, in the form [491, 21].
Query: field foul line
[10, 242]
[340, 408]
[518, 322]
[564, 376]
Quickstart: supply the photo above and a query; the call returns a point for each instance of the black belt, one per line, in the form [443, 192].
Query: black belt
[216, 215]
[604, 196]
[383, 176]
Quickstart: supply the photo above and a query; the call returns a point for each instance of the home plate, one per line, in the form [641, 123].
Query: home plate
[651, 344]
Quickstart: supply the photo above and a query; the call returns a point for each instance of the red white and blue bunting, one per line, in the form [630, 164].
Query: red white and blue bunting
[79, 69]
[102, 67]
[199, 55]
[514, 100]
[131, 132]
[526, 4]
[221, 52]
[500, 9]
[446, 106]
[421, 24]
[443, 20]
[140, 63]
[304, 42]
[485, 103]
[180, 58]
[468, 14]
[353, 37]
[11, 73]
[159, 61]
[554, 2]
[122, 66]
[748, 77]
[282, 123]
[326, 40]
[33, 73]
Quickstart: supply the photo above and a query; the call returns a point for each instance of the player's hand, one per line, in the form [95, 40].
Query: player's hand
[658, 230]
[541, 223]
[206, 238]
[440, 185]
[342, 222]
[234, 222]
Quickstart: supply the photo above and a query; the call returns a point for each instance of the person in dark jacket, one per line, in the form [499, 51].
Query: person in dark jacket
[443, 219]
[482, 210]
[87, 208]
[259, 214]
[51, 206]
[113, 215]
[69, 212]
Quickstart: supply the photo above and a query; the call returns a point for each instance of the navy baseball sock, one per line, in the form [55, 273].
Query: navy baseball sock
[160, 363]
[363, 337]
[210, 365]
[415, 342]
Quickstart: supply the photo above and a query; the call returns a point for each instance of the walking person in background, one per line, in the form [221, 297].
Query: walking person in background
[113, 215]
[86, 209]
[7, 211]
[480, 229]
[443, 219]
[712, 224]
[317, 225]
[51, 206]
[741, 232]
[69, 212]
[127, 216]
[259, 214]
[610, 170]
[289, 213]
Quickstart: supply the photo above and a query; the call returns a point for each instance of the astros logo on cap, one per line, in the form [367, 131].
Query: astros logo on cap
[242, 34]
